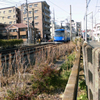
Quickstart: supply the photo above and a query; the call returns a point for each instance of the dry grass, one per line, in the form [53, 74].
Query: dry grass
[17, 75]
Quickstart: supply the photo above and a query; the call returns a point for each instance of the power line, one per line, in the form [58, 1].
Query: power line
[58, 6]
[96, 7]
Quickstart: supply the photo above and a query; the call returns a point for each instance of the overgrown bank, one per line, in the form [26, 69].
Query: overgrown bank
[40, 82]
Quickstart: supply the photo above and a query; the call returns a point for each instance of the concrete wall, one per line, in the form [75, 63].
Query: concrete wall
[70, 92]
[91, 61]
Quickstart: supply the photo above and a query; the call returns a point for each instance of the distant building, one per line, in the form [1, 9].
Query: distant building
[41, 16]
[13, 15]
[53, 27]
[16, 31]
[78, 28]
[10, 15]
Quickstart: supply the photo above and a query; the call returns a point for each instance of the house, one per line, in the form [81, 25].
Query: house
[19, 31]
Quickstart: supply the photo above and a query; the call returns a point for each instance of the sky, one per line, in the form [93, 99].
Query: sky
[61, 9]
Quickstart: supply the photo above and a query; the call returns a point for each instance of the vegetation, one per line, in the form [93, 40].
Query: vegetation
[77, 39]
[10, 43]
[82, 94]
[69, 62]
[31, 80]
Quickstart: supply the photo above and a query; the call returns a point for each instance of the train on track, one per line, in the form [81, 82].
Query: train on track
[63, 35]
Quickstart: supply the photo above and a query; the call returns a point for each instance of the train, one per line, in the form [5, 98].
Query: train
[62, 35]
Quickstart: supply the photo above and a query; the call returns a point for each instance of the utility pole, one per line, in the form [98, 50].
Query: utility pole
[86, 23]
[92, 25]
[33, 26]
[70, 24]
[53, 24]
[28, 40]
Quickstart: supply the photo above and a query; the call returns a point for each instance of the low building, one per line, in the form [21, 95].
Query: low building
[18, 31]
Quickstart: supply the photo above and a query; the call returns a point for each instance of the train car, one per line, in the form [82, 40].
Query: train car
[62, 35]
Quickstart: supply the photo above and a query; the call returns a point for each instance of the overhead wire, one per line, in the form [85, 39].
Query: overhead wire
[58, 6]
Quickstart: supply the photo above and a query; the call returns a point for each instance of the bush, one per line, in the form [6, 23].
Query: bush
[82, 85]
[10, 43]
[69, 63]
[44, 79]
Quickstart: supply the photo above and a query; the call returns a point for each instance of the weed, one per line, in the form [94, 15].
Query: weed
[82, 85]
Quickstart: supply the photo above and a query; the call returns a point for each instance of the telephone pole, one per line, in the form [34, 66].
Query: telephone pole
[28, 40]
[92, 25]
[86, 23]
[70, 24]
[33, 26]
[53, 24]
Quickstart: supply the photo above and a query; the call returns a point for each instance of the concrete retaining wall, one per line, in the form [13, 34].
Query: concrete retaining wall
[91, 61]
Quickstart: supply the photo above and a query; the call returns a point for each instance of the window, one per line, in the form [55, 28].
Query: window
[24, 12]
[13, 30]
[35, 17]
[30, 6]
[10, 22]
[24, 18]
[14, 22]
[10, 11]
[2, 17]
[30, 12]
[14, 16]
[35, 11]
[22, 29]
[0, 12]
[4, 31]
[35, 5]
[36, 23]
[14, 10]
[30, 18]
[23, 36]
[13, 37]
[4, 12]
[9, 17]
[4, 22]
[98, 28]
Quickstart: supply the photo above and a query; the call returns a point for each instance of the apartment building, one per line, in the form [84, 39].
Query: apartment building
[10, 15]
[41, 17]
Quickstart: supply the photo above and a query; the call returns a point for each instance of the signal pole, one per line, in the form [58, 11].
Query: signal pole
[70, 24]
[28, 40]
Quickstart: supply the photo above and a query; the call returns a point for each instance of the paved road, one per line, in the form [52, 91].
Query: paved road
[94, 43]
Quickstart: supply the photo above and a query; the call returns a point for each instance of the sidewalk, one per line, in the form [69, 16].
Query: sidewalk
[94, 43]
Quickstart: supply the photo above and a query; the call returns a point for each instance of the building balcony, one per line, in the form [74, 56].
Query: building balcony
[46, 20]
[47, 32]
[47, 9]
[48, 15]
[47, 26]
